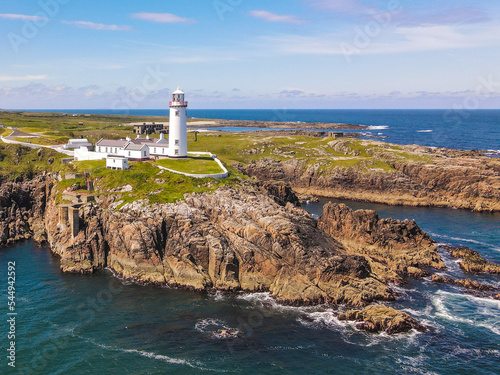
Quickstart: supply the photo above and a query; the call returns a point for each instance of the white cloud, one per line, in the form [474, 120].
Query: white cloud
[21, 17]
[394, 40]
[23, 78]
[341, 6]
[162, 18]
[453, 16]
[97, 26]
[273, 17]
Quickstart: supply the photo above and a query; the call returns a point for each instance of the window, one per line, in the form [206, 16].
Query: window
[176, 152]
[144, 153]
[177, 142]
[177, 113]
[162, 150]
[154, 150]
[129, 153]
[99, 148]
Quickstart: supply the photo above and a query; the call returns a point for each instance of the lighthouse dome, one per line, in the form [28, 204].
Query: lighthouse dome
[178, 91]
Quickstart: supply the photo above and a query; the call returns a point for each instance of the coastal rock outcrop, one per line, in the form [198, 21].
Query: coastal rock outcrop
[22, 206]
[449, 179]
[399, 245]
[473, 262]
[238, 238]
[466, 283]
[379, 318]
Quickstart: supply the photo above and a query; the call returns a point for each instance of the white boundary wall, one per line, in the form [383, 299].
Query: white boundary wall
[217, 176]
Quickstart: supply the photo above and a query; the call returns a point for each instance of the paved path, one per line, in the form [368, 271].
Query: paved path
[58, 148]
[18, 133]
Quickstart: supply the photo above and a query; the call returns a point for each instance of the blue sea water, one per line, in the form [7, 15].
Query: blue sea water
[458, 129]
[81, 324]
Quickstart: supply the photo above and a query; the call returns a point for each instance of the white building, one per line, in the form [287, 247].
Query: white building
[177, 131]
[136, 151]
[117, 162]
[83, 154]
[77, 143]
[123, 147]
[143, 148]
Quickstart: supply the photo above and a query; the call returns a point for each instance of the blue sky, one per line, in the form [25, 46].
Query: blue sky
[250, 53]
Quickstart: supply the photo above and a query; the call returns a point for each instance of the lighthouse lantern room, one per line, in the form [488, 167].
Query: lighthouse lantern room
[177, 138]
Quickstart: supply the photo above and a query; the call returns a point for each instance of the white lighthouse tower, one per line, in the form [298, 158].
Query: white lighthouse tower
[177, 138]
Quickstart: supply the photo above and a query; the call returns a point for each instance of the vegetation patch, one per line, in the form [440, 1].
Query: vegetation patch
[18, 161]
[193, 165]
[142, 180]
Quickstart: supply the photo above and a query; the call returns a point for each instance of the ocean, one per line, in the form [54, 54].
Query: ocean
[86, 324]
[458, 129]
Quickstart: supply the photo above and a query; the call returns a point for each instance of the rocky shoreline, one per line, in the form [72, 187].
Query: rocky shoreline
[428, 177]
[279, 125]
[250, 237]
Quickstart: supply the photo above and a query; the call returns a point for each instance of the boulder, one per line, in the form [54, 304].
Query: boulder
[379, 318]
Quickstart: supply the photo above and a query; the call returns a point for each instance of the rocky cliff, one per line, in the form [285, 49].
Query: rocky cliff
[22, 208]
[235, 238]
[251, 237]
[401, 246]
[446, 178]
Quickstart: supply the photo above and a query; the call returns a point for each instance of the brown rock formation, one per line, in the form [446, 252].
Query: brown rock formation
[401, 246]
[22, 205]
[466, 283]
[451, 179]
[378, 318]
[235, 238]
[473, 262]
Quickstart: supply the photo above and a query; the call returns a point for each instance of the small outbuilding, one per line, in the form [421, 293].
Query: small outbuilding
[77, 143]
[117, 162]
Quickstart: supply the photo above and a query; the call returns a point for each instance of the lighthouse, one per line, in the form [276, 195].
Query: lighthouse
[177, 138]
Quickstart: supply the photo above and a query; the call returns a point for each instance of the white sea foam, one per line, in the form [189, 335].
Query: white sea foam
[401, 289]
[267, 301]
[477, 352]
[443, 312]
[465, 240]
[378, 127]
[209, 325]
[290, 348]
[217, 295]
[415, 364]
[152, 355]
[322, 319]
[214, 327]
[425, 131]
[482, 311]
[425, 312]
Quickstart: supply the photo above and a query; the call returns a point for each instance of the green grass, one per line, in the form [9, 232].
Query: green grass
[39, 141]
[21, 161]
[193, 165]
[62, 128]
[147, 181]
